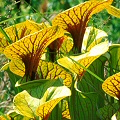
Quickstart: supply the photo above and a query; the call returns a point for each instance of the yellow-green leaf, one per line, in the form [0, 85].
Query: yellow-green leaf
[49, 70]
[53, 96]
[16, 116]
[75, 20]
[66, 114]
[113, 11]
[4, 67]
[92, 37]
[17, 67]
[111, 85]
[114, 51]
[25, 104]
[19, 31]
[65, 110]
[30, 48]
[4, 117]
[66, 45]
[84, 59]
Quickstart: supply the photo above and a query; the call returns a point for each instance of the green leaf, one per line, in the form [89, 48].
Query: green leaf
[13, 79]
[51, 98]
[49, 70]
[30, 84]
[16, 116]
[114, 51]
[83, 108]
[83, 60]
[92, 37]
[108, 111]
[89, 82]
[37, 88]
[25, 104]
[89, 93]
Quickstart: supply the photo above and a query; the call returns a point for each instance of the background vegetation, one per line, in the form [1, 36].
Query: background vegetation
[12, 12]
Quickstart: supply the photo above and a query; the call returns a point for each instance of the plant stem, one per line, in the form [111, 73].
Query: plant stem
[101, 80]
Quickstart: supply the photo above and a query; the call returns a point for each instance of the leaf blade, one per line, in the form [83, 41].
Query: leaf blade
[25, 105]
[113, 11]
[111, 85]
[52, 99]
[30, 48]
[75, 20]
[49, 70]
[19, 31]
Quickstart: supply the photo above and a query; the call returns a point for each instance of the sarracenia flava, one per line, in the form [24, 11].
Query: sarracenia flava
[27, 43]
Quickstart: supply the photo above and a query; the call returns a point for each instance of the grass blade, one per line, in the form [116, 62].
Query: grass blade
[6, 36]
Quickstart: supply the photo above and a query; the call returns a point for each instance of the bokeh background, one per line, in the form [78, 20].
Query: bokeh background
[15, 11]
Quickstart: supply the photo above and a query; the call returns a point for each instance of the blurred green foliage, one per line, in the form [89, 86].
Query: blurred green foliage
[13, 12]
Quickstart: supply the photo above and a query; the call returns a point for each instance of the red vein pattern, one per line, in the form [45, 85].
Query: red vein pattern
[75, 20]
[44, 110]
[52, 97]
[30, 48]
[112, 85]
[65, 110]
[19, 31]
[49, 70]
[86, 62]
